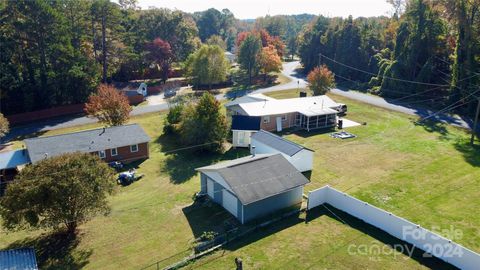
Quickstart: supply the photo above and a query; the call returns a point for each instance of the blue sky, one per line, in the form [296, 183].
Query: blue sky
[250, 9]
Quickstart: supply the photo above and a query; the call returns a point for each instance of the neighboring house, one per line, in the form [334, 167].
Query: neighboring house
[135, 92]
[242, 128]
[306, 113]
[230, 57]
[267, 143]
[253, 186]
[18, 259]
[125, 143]
[233, 105]
[11, 162]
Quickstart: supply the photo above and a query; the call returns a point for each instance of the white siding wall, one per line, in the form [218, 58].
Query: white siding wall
[246, 141]
[401, 228]
[302, 161]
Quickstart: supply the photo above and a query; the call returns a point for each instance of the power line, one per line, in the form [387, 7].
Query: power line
[384, 77]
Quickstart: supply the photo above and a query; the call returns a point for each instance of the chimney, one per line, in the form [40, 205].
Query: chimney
[253, 150]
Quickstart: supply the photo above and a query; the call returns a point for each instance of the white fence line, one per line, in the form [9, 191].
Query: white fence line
[432, 243]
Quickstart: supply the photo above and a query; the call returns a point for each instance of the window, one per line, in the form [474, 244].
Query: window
[266, 119]
[134, 148]
[113, 152]
[284, 117]
[101, 154]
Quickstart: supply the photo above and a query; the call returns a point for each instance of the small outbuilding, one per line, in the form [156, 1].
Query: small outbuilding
[242, 129]
[253, 186]
[268, 143]
[22, 258]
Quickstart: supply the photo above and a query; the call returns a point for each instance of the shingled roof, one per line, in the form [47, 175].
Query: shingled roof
[258, 177]
[85, 141]
[276, 142]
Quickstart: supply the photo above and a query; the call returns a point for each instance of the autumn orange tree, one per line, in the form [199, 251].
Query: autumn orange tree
[108, 106]
[269, 61]
[321, 79]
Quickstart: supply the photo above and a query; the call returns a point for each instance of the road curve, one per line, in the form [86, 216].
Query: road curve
[289, 70]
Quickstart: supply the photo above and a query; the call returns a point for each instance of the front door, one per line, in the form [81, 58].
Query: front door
[279, 123]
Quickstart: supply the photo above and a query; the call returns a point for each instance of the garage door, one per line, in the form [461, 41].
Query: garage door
[210, 190]
[229, 202]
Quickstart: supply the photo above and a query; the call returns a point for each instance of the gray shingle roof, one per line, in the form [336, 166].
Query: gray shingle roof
[258, 177]
[23, 258]
[85, 141]
[281, 144]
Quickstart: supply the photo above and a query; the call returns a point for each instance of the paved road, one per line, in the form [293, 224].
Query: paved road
[288, 71]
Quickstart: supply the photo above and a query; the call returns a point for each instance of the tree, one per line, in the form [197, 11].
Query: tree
[160, 54]
[65, 190]
[269, 61]
[4, 126]
[217, 40]
[173, 119]
[321, 80]
[108, 106]
[247, 54]
[204, 124]
[207, 66]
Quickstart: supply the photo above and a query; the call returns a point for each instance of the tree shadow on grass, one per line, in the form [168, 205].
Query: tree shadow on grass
[56, 250]
[471, 153]
[434, 127]
[181, 162]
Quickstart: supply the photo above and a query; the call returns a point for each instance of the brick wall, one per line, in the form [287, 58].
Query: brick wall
[125, 155]
[272, 125]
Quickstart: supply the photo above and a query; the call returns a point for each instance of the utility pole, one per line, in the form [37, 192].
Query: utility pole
[475, 122]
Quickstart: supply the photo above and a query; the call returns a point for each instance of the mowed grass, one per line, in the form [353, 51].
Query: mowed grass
[427, 174]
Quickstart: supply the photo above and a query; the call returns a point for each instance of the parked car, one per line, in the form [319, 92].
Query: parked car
[341, 108]
[170, 93]
[116, 164]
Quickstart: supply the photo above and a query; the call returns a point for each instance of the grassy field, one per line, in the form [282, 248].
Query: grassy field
[427, 174]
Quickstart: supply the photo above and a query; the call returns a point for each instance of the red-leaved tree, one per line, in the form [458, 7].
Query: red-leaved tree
[109, 106]
[160, 55]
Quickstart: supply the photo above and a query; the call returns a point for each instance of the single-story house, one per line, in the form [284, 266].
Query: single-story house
[22, 258]
[125, 143]
[277, 114]
[253, 186]
[264, 142]
[232, 106]
[242, 128]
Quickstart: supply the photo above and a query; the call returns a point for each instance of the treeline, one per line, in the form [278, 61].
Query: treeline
[57, 52]
[428, 54]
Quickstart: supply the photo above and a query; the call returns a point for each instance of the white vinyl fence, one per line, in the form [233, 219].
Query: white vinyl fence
[401, 228]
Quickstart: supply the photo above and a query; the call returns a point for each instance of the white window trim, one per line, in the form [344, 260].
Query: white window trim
[102, 154]
[116, 152]
[131, 148]
[266, 119]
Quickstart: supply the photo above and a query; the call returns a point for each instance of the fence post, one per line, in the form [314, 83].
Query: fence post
[158, 266]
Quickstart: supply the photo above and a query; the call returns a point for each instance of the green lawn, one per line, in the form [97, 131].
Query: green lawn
[427, 174]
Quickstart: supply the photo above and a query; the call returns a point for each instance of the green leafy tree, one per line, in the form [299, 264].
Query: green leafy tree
[4, 126]
[204, 124]
[250, 47]
[217, 40]
[321, 80]
[65, 190]
[173, 119]
[207, 66]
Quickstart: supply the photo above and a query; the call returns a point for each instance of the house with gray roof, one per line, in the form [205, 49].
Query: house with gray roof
[253, 186]
[125, 143]
[264, 142]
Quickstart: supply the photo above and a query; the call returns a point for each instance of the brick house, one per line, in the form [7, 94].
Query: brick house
[277, 114]
[125, 143]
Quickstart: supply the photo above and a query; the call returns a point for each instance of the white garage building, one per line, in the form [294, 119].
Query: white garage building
[268, 143]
